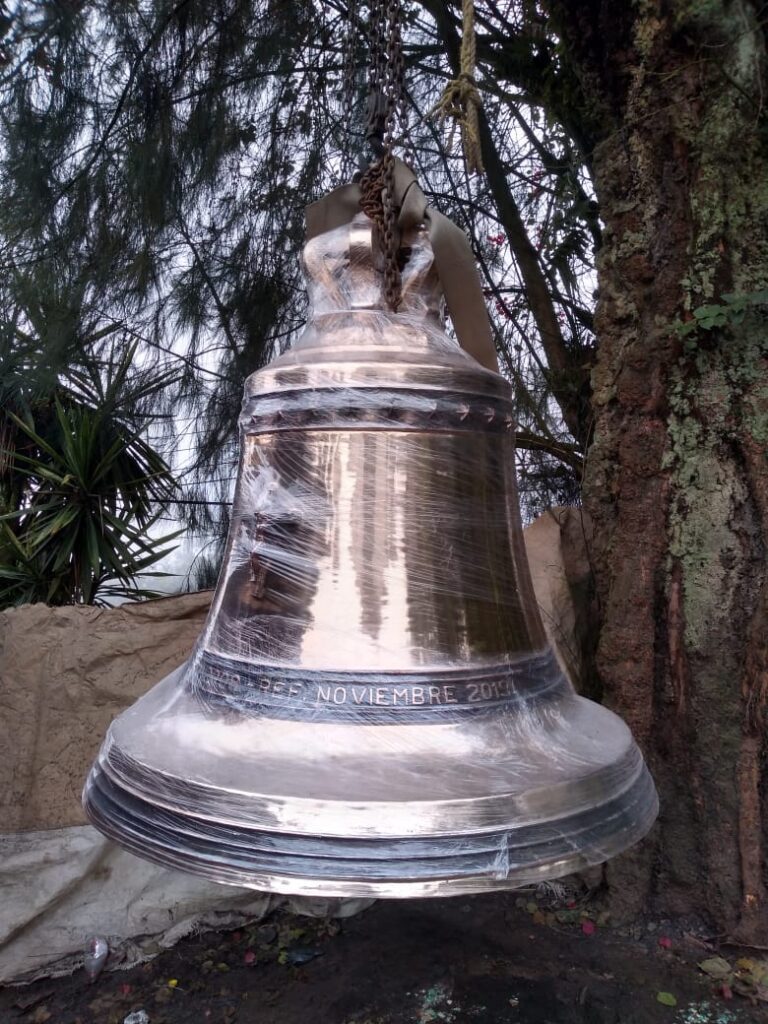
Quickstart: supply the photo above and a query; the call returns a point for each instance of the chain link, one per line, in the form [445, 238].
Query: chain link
[376, 111]
[386, 107]
[394, 68]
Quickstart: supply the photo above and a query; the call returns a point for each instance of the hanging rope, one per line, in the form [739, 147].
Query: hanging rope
[461, 97]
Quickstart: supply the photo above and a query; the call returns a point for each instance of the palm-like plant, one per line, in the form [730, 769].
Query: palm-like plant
[82, 489]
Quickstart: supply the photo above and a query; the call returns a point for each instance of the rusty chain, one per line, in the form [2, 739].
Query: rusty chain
[386, 103]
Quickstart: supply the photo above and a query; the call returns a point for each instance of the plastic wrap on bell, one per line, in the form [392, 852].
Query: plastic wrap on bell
[373, 708]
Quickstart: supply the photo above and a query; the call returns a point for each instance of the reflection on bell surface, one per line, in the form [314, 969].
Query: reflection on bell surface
[373, 708]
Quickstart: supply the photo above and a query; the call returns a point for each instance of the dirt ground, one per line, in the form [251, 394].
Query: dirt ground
[497, 959]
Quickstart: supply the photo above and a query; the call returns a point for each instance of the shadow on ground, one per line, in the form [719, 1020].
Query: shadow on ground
[486, 960]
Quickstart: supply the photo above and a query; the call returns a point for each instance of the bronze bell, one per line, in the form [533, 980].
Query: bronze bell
[373, 708]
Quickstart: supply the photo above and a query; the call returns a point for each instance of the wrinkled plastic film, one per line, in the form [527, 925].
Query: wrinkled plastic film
[373, 708]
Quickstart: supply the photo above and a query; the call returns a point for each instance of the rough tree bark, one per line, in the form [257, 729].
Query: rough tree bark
[675, 95]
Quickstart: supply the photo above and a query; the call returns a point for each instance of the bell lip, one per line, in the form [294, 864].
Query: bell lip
[473, 815]
[607, 841]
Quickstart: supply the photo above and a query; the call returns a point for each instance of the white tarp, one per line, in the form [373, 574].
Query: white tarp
[62, 886]
[66, 885]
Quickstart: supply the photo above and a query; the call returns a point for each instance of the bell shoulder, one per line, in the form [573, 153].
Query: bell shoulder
[344, 270]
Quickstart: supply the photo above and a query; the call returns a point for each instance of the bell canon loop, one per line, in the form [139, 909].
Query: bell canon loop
[373, 708]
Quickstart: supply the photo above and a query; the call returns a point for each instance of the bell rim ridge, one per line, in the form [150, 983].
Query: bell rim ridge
[289, 815]
[448, 853]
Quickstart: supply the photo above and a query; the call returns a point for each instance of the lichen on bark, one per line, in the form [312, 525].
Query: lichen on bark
[676, 479]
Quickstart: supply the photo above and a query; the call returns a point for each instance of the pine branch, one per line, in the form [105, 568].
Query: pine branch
[561, 450]
[562, 374]
[122, 99]
[220, 307]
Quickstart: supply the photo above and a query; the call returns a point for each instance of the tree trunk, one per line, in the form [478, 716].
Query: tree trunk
[677, 478]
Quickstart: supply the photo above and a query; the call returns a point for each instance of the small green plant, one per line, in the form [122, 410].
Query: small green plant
[732, 310]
